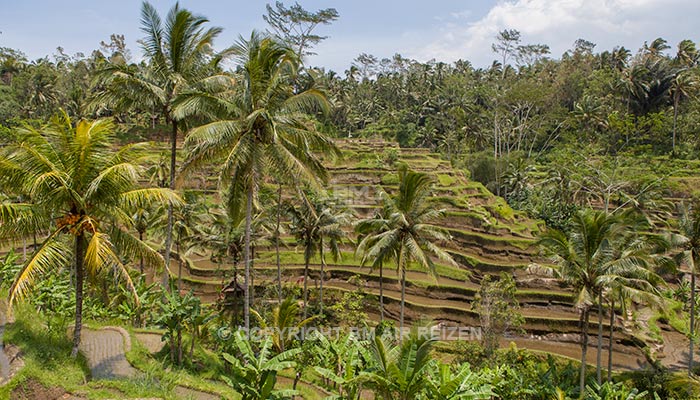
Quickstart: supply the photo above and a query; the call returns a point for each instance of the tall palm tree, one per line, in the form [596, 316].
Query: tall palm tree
[177, 53]
[142, 218]
[317, 223]
[630, 274]
[74, 174]
[189, 218]
[582, 257]
[689, 240]
[411, 235]
[372, 227]
[259, 126]
[687, 54]
[682, 86]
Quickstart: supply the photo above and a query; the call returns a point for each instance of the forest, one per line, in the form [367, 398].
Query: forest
[180, 222]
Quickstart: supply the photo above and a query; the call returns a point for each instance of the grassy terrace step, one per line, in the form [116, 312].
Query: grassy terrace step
[469, 263]
[417, 282]
[486, 266]
[533, 323]
[486, 239]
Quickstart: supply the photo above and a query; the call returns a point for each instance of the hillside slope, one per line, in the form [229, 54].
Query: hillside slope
[488, 238]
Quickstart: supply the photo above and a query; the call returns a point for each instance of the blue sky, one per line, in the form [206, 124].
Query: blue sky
[441, 29]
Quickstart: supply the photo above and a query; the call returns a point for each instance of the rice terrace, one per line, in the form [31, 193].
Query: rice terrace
[209, 203]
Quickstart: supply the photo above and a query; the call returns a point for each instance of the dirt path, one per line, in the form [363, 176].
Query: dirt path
[105, 350]
[674, 352]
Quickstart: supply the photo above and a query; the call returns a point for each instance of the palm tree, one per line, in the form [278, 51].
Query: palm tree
[74, 174]
[582, 257]
[682, 86]
[689, 241]
[410, 235]
[189, 218]
[372, 227]
[260, 125]
[687, 54]
[315, 220]
[142, 218]
[177, 53]
[629, 275]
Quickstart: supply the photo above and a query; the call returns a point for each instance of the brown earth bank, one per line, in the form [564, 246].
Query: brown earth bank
[31, 389]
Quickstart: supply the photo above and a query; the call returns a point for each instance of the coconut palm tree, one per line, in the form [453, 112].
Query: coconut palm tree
[682, 86]
[582, 257]
[75, 175]
[411, 235]
[143, 218]
[689, 240]
[687, 54]
[630, 274]
[371, 227]
[177, 52]
[317, 223]
[259, 126]
[189, 218]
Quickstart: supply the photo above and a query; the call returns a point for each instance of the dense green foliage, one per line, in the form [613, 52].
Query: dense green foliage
[593, 144]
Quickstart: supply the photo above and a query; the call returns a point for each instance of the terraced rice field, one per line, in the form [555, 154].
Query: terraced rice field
[488, 238]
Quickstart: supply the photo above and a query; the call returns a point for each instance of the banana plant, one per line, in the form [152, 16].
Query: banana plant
[444, 384]
[613, 391]
[254, 374]
[399, 371]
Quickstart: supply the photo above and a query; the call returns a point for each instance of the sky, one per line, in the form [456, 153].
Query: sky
[444, 30]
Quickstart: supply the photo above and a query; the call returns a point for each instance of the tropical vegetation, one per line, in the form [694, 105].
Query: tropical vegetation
[368, 221]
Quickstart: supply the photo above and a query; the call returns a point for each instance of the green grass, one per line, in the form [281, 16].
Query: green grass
[486, 239]
[141, 359]
[47, 360]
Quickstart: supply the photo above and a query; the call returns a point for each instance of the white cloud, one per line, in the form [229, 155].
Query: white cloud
[558, 23]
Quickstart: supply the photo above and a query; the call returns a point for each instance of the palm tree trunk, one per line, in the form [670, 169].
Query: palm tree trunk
[320, 290]
[692, 322]
[402, 271]
[141, 258]
[584, 350]
[307, 258]
[675, 118]
[403, 300]
[246, 284]
[79, 280]
[169, 228]
[381, 293]
[599, 354]
[252, 275]
[612, 332]
[277, 244]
